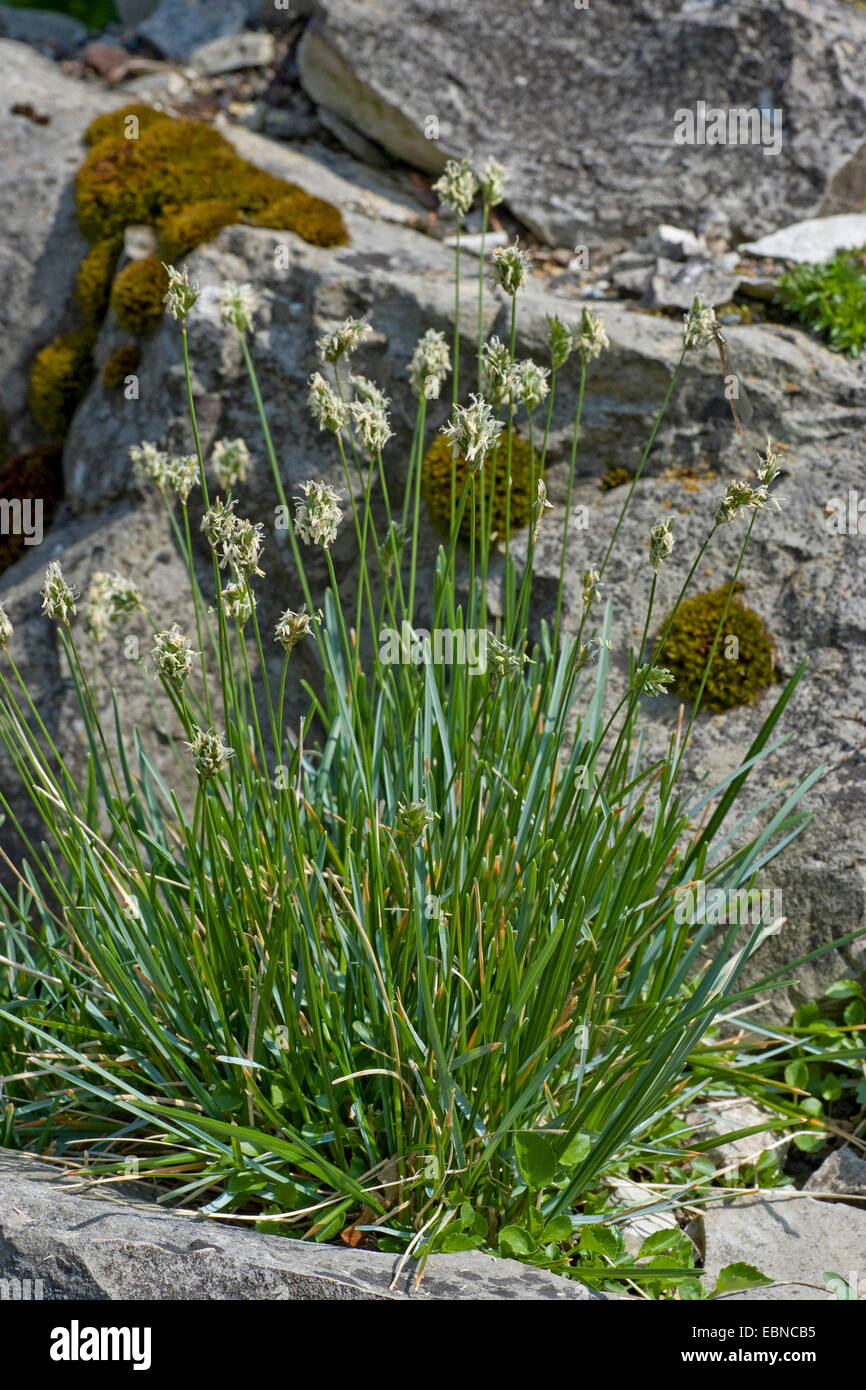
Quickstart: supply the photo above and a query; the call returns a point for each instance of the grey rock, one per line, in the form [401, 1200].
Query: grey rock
[677, 243]
[816, 240]
[791, 1239]
[131, 13]
[139, 242]
[179, 27]
[843, 1174]
[41, 247]
[84, 1242]
[53, 33]
[674, 284]
[231, 52]
[717, 1118]
[586, 118]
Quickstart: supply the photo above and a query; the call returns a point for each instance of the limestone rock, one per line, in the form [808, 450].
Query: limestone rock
[815, 240]
[53, 33]
[843, 1175]
[231, 52]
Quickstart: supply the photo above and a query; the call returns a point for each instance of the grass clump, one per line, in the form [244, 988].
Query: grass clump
[137, 294]
[743, 665]
[59, 378]
[412, 972]
[830, 299]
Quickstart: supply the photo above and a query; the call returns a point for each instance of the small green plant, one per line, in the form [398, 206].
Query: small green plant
[830, 299]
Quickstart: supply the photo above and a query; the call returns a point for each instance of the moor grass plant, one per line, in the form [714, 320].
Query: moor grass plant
[410, 973]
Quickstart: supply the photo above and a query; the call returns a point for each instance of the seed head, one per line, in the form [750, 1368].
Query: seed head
[219, 522]
[317, 514]
[510, 267]
[238, 601]
[493, 176]
[181, 475]
[457, 186]
[768, 465]
[530, 384]
[429, 365]
[291, 628]
[345, 338]
[590, 339]
[109, 598]
[413, 819]
[502, 660]
[210, 755]
[652, 680]
[661, 543]
[181, 295]
[6, 628]
[327, 409]
[741, 496]
[539, 507]
[172, 656]
[592, 588]
[472, 432]
[150, 464]
[241, 549]
[370, 419]
[498, 372]
[700, 325]
[238, 305]
[231, 462]
[559, 341]
[58, 599]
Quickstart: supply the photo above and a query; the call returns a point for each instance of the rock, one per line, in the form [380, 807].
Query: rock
[352, 140]
[87, 1242]
[791, 1239]
[474, 241]
[230, 53]
[720, 1117]
[159, 84]
[677, 243]
[587, 121]
[843, 1174]
[41, 247]
[110, 60]
[674, 284]
[131, 13]
[179, 27]
[638, 1228]
[815, 240]
[139, 242]
[51, 32]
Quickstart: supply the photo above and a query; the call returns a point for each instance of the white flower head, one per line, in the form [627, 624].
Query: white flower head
[238, 305]
[741, 496]
[492, 180]
[6, 628]
[182, 475]
[502, 660]
[219, 521]
[511, 268]
[700, 325]
[367, 390]
[590, 339]
[559, 341]
[652, 680]
[110, 597]
[769, 467]
[150, 464]
[472, 432]
[231, 462]
[498, 372]
[238, 601]
[172, 656]
[343, 339]
[181, 295]
[429, 365]
[317, 514]
[531, 386]
[661, 539]
[291, 628]
[371, 424]
[457, 186]
[242, 547]
[592, 588]
[58, 598]
[326, 408]
[413, 819]
[210, 755]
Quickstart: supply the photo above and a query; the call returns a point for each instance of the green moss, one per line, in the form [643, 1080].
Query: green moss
[61, 374]
[436, 486]
[93, 286]
[176, 166]
[182, 229]
[122, 362]
[137, 294]
[742, 668]
[615, 477]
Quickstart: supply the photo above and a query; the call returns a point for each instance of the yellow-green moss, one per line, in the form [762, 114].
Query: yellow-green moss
[93, 285]
[123, 361]
[182, 229]
[113, 124]
[137, 294]
[436, 486]
[615, 477]
[61, 374]
[741, 668]
[175, 164]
